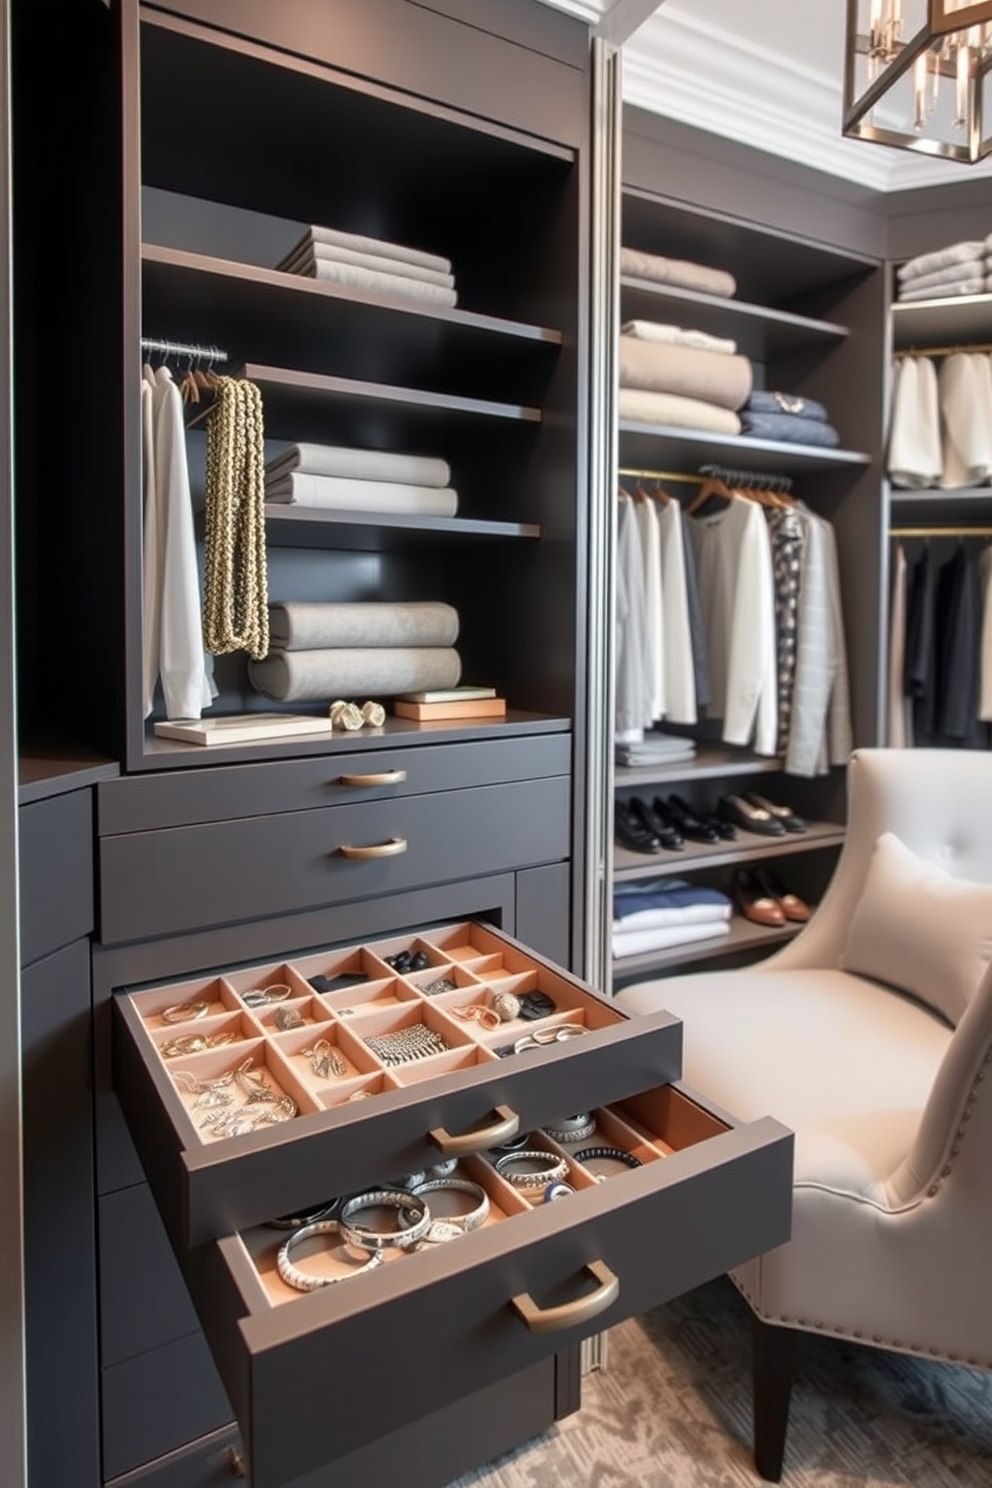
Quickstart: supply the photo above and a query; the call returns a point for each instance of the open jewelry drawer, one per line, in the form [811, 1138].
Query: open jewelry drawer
[404, 1297]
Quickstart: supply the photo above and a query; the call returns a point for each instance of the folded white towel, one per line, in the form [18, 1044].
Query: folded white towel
[360, 464]
[299, 260]
[363, 244]
[685, 371]
[679, 272]
[673, 411]
[332, 494]
[941, 258]
[979, 285]
[672, 335]
[972, 268]
[640, 942]
[399, 286]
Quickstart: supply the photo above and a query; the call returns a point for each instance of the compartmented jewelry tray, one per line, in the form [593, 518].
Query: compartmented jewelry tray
[454, 1038]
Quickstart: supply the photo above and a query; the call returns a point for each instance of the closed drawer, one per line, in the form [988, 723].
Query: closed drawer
[56, 873]
[169, 881]
[388, 1110]
[143, 803]
[445, 1321]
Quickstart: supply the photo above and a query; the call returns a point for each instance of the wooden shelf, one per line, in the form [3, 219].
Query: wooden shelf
[761, 333]
[263, 315]
[648, 445]
[971, 504]
[744, 935]
[748, 847]
[395, 731]
[954, 321]
[706, 765]
[376, 532]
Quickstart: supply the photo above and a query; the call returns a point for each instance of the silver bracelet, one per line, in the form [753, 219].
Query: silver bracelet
[550, 1169]
[306, 1281]
[572, 1128]
[556, 1035]
[384, 1198]
[450, 1226]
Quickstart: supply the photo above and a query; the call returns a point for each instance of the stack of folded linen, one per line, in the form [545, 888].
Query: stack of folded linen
[679, 273]
[788, 418]
[649, 915]
[328, 254]
[963, 268]
[341, 479]
[654, 748]
[681, 378]
[320, 651]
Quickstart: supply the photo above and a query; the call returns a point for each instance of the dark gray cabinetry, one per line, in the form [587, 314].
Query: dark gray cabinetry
[56, 886]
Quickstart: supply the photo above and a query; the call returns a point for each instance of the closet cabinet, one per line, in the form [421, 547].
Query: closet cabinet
[803, 313]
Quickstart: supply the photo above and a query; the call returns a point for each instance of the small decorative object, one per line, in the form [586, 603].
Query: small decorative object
[374, 714]
[346, 716]
[287, 1018]
[505, 1006]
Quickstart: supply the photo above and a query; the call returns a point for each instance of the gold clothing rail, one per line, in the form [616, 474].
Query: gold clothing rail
[940, 531]
[934, 351]
[662, 475]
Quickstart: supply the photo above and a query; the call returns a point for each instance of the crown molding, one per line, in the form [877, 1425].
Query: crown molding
[685, 69]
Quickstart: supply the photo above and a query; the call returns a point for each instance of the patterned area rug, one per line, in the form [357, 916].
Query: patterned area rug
[672, 1409]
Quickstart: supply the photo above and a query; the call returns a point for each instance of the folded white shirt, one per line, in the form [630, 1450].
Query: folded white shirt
[639, 942]
[673, 335]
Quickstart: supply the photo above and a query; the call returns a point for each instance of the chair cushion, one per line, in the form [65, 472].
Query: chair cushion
[917, 928]
[846, 1063]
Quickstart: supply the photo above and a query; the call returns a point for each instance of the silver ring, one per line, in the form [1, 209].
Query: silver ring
[305, 1281]
[448, 1227]
[572, 1128]
[390, 1198]
[184, 1012]
[551, 1170]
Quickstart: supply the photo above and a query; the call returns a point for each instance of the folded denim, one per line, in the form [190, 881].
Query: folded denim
[762, 401]
[789, 429]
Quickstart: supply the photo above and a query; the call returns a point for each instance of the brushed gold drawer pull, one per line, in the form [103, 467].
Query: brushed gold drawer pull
[390, 849]
[502, 1130]
[384, 777]
[237, 1464]
[569, 1314]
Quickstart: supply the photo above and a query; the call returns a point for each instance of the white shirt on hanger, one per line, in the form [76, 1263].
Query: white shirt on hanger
[654, 649]
[680, 680]
[915, 459]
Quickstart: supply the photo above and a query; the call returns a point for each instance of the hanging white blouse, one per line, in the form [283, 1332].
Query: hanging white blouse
[966, 424]
[900, 713]
[654, 651]
[915, 459]
[171, 574]
[631, 704]
[680, 679]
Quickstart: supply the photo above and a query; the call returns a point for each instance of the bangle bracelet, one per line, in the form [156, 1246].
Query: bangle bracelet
[555, 1035]
[557, 1191]
[184, 1012]
[449, 1226]
[306, 1281]
[572, 1128]
[549, 1169]
[403, 1201]
[617, 1153]
[262, 996]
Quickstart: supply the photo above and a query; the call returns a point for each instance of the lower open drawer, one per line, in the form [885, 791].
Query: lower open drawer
[315, 1374]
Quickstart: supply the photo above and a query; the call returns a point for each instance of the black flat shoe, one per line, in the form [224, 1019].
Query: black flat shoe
[664, 824]
[785, 814]
[738, 810]
[689, 822]
[630, 831]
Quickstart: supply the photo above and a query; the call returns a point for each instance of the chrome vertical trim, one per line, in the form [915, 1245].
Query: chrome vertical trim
[604, 327]
[13, 1425]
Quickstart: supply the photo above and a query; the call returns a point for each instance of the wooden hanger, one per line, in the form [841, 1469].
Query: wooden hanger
[713, 485]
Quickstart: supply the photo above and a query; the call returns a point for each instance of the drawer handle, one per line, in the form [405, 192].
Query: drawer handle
[568, 1314]
[502, 1130]
[384, 777]
[237, 1464]
[390, 849]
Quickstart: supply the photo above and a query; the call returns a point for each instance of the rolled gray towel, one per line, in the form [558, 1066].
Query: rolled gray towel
[710, 376]
[301, 625]
[376, 671]
[359, 464]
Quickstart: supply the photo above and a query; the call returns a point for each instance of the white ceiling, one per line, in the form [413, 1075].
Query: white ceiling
[767, 73]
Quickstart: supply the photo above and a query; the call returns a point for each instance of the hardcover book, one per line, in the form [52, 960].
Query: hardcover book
[244, 728]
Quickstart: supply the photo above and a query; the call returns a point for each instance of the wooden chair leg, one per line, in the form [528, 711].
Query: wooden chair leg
[772, 1364]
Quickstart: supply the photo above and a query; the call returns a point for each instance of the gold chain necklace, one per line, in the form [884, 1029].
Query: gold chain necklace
[236, 610]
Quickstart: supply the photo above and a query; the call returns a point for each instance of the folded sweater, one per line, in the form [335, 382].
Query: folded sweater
[679, 272]
[641, 407]
[363, 244]
[652, 330]
[707, 375]
[360, 464]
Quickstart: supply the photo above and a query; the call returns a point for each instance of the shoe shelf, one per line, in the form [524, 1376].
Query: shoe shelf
[291, 317]
[744, 935]
[707, 764]
[748, 847]
[654, 444]
[761, 332]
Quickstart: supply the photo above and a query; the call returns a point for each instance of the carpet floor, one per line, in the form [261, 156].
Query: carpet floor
[672, 1409]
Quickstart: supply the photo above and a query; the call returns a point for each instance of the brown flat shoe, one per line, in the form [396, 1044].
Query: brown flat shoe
[753, 902]
[793, 907]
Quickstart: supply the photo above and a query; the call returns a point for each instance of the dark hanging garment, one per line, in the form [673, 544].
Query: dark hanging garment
[919, 680]
[957, 626]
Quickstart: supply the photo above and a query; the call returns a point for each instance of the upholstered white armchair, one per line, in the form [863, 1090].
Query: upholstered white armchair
[870, 1035]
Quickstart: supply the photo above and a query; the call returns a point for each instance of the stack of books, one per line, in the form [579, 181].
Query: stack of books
[450, 702]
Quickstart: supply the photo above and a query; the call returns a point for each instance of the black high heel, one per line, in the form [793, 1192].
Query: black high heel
[785, 814]
[742, 813]
[689, 822]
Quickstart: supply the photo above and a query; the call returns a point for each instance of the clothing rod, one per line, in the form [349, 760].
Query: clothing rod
[665, 475]
[935, 351]
[183, 348]
[940, 531]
